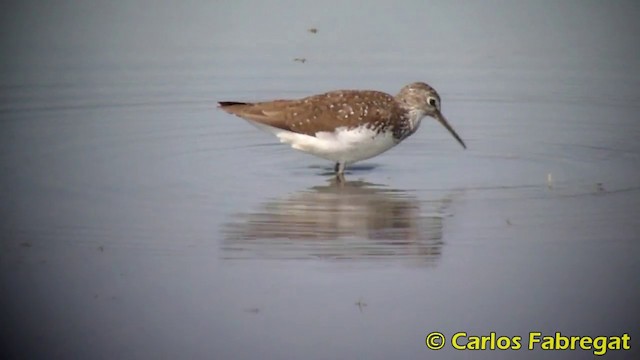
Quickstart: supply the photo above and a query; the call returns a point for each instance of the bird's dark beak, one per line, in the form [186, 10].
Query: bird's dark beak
[441, 119]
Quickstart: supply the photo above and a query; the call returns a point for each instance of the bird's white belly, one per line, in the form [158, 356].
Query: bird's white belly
[342, 145]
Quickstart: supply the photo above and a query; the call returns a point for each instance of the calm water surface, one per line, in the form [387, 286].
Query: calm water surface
[138, 221]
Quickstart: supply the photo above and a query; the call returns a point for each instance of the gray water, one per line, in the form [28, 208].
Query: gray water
[138, 221]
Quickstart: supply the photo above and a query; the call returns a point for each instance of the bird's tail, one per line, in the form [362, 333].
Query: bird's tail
[223, 104]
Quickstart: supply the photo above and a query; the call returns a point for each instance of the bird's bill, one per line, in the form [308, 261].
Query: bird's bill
[441, 119]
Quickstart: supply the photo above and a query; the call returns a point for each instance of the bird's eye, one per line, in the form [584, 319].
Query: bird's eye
[432, 101]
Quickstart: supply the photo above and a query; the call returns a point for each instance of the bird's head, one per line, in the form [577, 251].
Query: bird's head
[422, 100]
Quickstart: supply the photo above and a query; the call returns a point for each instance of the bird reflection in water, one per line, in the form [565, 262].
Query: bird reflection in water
[350, 221]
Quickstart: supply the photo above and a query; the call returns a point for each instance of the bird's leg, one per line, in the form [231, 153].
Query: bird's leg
[339, 169]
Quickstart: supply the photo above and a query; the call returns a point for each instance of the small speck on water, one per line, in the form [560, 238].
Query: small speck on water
[25, 244]
[361, 304]
[252, 310]
[313, 30]
[508, 222]
[600, 188]
[300, 60]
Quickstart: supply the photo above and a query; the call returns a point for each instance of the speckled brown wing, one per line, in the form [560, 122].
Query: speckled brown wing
[324, 112]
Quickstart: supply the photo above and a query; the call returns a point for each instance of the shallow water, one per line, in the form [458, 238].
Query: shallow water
[139, 221]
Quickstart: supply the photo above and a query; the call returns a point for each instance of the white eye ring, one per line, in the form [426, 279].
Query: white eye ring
[433, 102]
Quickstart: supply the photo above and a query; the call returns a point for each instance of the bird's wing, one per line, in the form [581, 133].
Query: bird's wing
[320, 113]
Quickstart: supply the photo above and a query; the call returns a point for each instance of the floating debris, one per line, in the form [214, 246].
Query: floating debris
[300, 60]
[312, 30]
[361, 304]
